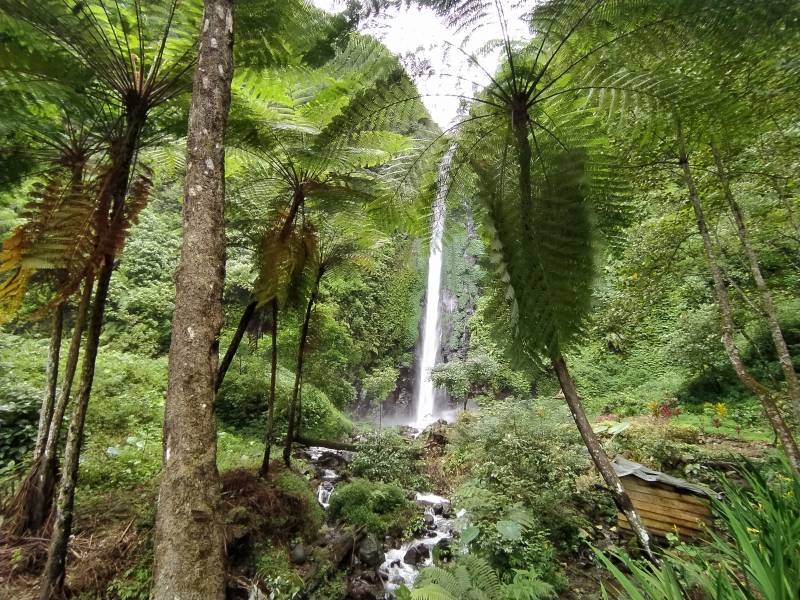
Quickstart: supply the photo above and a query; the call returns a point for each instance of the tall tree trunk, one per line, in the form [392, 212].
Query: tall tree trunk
[273, 374]
[728, 327]
[767, 303]
[599, 458]
[291, 426]
[46, 411]
[230, 353]
[189, 540]
[52, 581]
[46, 470]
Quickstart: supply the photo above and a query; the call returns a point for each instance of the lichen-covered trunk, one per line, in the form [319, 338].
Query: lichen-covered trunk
[728, 327]
[273, 374]
[599, 458]
[52, 581]
[51, 385]
[230, 353]
[46, 468]
[292, 425]
[767, 303]
[189, 540]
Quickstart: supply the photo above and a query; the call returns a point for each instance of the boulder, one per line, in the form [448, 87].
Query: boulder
[358, 589]
[370, 551]
[438, 508]
[299, 554]
[428, 519]
[416, 554]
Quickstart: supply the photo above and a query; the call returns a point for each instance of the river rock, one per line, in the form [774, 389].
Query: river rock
[438, 508]
[416, 554]
[428, 519]
[358, 589]
[299, 554]
[370, 551]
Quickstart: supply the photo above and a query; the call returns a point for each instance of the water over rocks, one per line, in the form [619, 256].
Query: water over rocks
[383, 566]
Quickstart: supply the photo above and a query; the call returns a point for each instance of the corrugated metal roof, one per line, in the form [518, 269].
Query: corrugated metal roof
[625, 467]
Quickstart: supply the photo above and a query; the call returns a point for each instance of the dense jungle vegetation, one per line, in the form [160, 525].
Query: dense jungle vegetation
[215, 221]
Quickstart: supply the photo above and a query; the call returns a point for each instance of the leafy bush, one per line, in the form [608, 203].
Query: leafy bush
[381, 508]
[521, 453]
[293, 484]
[123, 465]
[656, 442]
[275, 570]
[472, 577]
[19, 419]
[242, 402]
[388, 457]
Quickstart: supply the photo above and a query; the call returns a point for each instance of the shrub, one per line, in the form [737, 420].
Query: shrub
[242, 402]
[379, 507]
[19, 418]
[521, 453]
[388, 457]
[275, 570]
[659, 443]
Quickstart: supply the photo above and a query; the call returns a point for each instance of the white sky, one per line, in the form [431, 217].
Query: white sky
[418, 35]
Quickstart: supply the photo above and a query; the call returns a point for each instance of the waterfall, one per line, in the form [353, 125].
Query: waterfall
[430, 328]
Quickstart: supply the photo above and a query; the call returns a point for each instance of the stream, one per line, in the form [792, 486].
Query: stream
[401, 564]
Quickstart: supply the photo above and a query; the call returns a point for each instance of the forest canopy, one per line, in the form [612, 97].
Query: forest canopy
[272, 327]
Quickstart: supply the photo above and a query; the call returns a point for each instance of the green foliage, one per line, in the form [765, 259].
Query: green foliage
[473, 577]
[661, 443]
[389, 457]
[757, 554]
[274, 569]
[382, 508]
[298, 486]
[380, 382]
[521, 465]
[242, 401]
[19, 418]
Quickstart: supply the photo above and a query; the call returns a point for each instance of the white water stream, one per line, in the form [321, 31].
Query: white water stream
[431, 332]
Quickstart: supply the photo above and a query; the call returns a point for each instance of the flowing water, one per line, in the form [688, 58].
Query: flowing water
[431, 332]
[397, 568]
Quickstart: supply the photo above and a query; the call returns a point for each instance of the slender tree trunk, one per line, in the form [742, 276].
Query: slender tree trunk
[189, 539]
[728, 327]
[46, 470]
[290, 433]
[46, 411]
[52, 581]
[767, 303]
[244, 321]
[601, 461]
[273, 375]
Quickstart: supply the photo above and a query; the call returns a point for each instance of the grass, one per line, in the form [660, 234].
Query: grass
[727, 428]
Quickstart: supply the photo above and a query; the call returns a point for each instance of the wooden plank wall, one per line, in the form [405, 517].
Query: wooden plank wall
[664, 509]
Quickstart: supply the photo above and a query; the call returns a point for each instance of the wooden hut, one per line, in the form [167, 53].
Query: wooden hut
[665, 504]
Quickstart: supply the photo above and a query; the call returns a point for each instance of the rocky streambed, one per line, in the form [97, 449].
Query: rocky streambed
[384, 565]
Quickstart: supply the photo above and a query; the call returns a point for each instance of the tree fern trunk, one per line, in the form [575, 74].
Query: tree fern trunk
[46, 411]
[52, 581]
[728, 327]
[290, 433]
[189, 537]
[41, 501]
[273, 374]
[599, 458]
[768, 305]
[230, 353]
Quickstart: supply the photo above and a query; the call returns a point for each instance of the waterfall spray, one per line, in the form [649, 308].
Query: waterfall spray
[431, 333]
